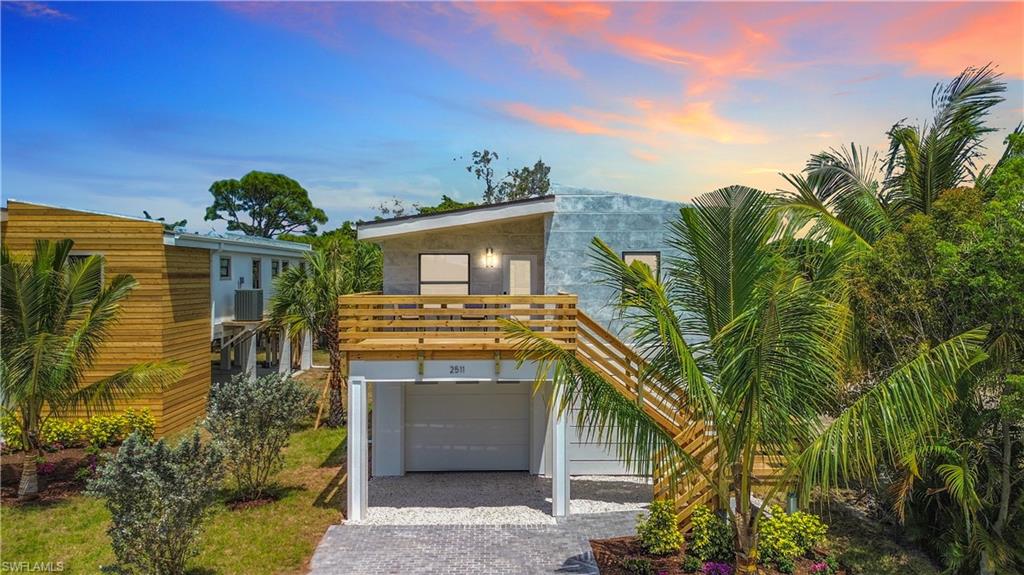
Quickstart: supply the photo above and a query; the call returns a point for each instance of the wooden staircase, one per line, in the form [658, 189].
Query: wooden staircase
[607, 355]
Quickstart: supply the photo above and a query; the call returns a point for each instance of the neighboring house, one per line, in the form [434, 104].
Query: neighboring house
[448, 392]
[181, 305]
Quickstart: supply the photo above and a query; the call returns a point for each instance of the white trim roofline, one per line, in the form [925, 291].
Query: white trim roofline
[237, 243]
[476, 215]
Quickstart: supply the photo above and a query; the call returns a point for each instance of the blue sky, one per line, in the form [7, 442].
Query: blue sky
[122, 107]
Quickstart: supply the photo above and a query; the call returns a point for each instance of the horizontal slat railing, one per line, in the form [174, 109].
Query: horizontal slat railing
[370, 323]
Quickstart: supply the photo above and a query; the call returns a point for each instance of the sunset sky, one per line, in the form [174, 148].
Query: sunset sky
[124, 107]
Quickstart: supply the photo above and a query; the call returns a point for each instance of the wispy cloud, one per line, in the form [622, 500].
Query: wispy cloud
[37, 10]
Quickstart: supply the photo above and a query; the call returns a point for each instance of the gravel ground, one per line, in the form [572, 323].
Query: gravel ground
[494, 498]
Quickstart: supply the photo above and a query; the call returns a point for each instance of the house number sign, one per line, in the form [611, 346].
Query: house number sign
[456, 369]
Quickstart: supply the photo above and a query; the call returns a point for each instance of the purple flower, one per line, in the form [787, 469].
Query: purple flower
[45, 468]
[715, 568]
[819, 567]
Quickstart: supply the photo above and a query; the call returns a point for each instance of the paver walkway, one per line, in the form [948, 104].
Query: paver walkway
[468, 549]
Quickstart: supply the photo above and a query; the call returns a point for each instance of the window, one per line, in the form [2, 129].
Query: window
[652, 259]
[284, 265]
[225, 267]
[257, 273]
[275, 268]
[444, 274]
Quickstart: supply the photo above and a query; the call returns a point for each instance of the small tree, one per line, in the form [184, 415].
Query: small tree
[273, 203]
[158, 497]
[250, 419]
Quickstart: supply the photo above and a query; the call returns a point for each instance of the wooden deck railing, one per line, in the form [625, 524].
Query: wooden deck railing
[396, 323]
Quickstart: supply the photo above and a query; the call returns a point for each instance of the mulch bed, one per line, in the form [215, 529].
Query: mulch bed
[609, 554]
[57, 484]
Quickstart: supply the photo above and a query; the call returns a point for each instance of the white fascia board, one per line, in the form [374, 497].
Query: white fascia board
[230, 245]
[373, 231]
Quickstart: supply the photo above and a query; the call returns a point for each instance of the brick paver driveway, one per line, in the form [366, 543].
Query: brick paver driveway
[479, 524]
[468, 549]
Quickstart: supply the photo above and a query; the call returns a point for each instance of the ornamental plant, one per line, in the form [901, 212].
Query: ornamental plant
[158, 496]
[98, 431]
[786, 537]
[711, 539]
[250, 418]
[659, 531]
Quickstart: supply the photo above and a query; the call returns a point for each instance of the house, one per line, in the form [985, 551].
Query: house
[184, 303]
[448, 392]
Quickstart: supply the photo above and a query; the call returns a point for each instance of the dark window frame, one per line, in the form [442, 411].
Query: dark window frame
[220, 264]
[275, 268]
[419, 271]
[257, 273]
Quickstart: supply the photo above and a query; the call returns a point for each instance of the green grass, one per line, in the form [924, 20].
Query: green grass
[869, 548]
[275, 538]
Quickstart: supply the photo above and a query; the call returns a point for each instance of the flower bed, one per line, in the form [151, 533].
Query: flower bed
[99, 431]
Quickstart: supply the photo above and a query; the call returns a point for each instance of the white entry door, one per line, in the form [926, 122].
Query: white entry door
[467, 426]
[520, 275]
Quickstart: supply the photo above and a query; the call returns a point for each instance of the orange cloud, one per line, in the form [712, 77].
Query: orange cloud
[555, 120]
[994, 35]
[645, 156]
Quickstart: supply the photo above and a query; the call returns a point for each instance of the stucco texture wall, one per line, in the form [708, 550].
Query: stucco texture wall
[521, 237]
[626, 223]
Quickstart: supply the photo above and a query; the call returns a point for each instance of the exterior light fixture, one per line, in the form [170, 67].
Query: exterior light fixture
[489, 257]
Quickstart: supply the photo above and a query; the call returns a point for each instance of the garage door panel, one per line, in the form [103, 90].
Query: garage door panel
[450, 426]
[468, 406]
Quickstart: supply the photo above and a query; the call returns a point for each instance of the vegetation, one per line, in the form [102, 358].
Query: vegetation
[741, 336]
[240, 541]
[785, 537]
[55, 315]
[158, 497]
[250, 419]
[97, 431]
[659, 530]
[272, 203]
[518, 184]
[307, 299]
[168, 226]
[710, 539]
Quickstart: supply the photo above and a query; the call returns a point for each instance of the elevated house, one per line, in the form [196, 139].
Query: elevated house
[448, 393]
[196, 292]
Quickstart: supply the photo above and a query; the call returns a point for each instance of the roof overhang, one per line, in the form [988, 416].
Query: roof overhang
[240, 244]
[469, 216]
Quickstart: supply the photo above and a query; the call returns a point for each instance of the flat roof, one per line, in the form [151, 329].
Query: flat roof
[483, 213]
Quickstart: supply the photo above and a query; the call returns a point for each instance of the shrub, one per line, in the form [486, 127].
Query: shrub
[717, 568]
[251, 419]
[691, 564]
[785, 537]
[100, 431]
[158, 497]
[711, 538]
[659, 531]
[637, 565]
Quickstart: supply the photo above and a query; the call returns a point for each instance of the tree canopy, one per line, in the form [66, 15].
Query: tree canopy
[265, 205]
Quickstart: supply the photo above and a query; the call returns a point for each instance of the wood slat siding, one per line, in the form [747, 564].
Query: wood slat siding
[167, 317]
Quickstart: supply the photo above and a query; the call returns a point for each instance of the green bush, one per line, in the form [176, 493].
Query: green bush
[100, 431]
[691, 564]
[784, 537]
[250, 418]
[637, 565]
[158, 497]
[659, 531]
[711, 538]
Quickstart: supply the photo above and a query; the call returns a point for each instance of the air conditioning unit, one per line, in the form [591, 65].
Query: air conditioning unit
[248, 305]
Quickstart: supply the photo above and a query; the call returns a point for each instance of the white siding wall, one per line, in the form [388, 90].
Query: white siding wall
[222, 296]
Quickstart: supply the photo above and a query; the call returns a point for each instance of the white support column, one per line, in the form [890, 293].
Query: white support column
[284, 363]
[358, 461]
[559, 456]
[250, 356]
[306, 361]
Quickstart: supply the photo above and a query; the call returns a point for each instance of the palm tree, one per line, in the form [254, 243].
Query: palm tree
[306, 298]
[55, 315]
[853, 191]
[738, 337]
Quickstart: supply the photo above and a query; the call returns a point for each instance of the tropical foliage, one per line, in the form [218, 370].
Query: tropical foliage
[98, 431]
[306, 298]
[265, 205]
[658, 531]
[738, 335]
[55, 315]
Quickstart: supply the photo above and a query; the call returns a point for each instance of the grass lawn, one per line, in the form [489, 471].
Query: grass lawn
[278, 537]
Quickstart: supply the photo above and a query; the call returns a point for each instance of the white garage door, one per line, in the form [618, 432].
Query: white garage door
[467, 426]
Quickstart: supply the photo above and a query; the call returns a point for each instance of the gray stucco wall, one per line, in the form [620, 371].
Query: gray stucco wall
[515, 237]
[626, 223]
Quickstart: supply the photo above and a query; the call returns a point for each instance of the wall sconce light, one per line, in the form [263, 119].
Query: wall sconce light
[489, 257]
